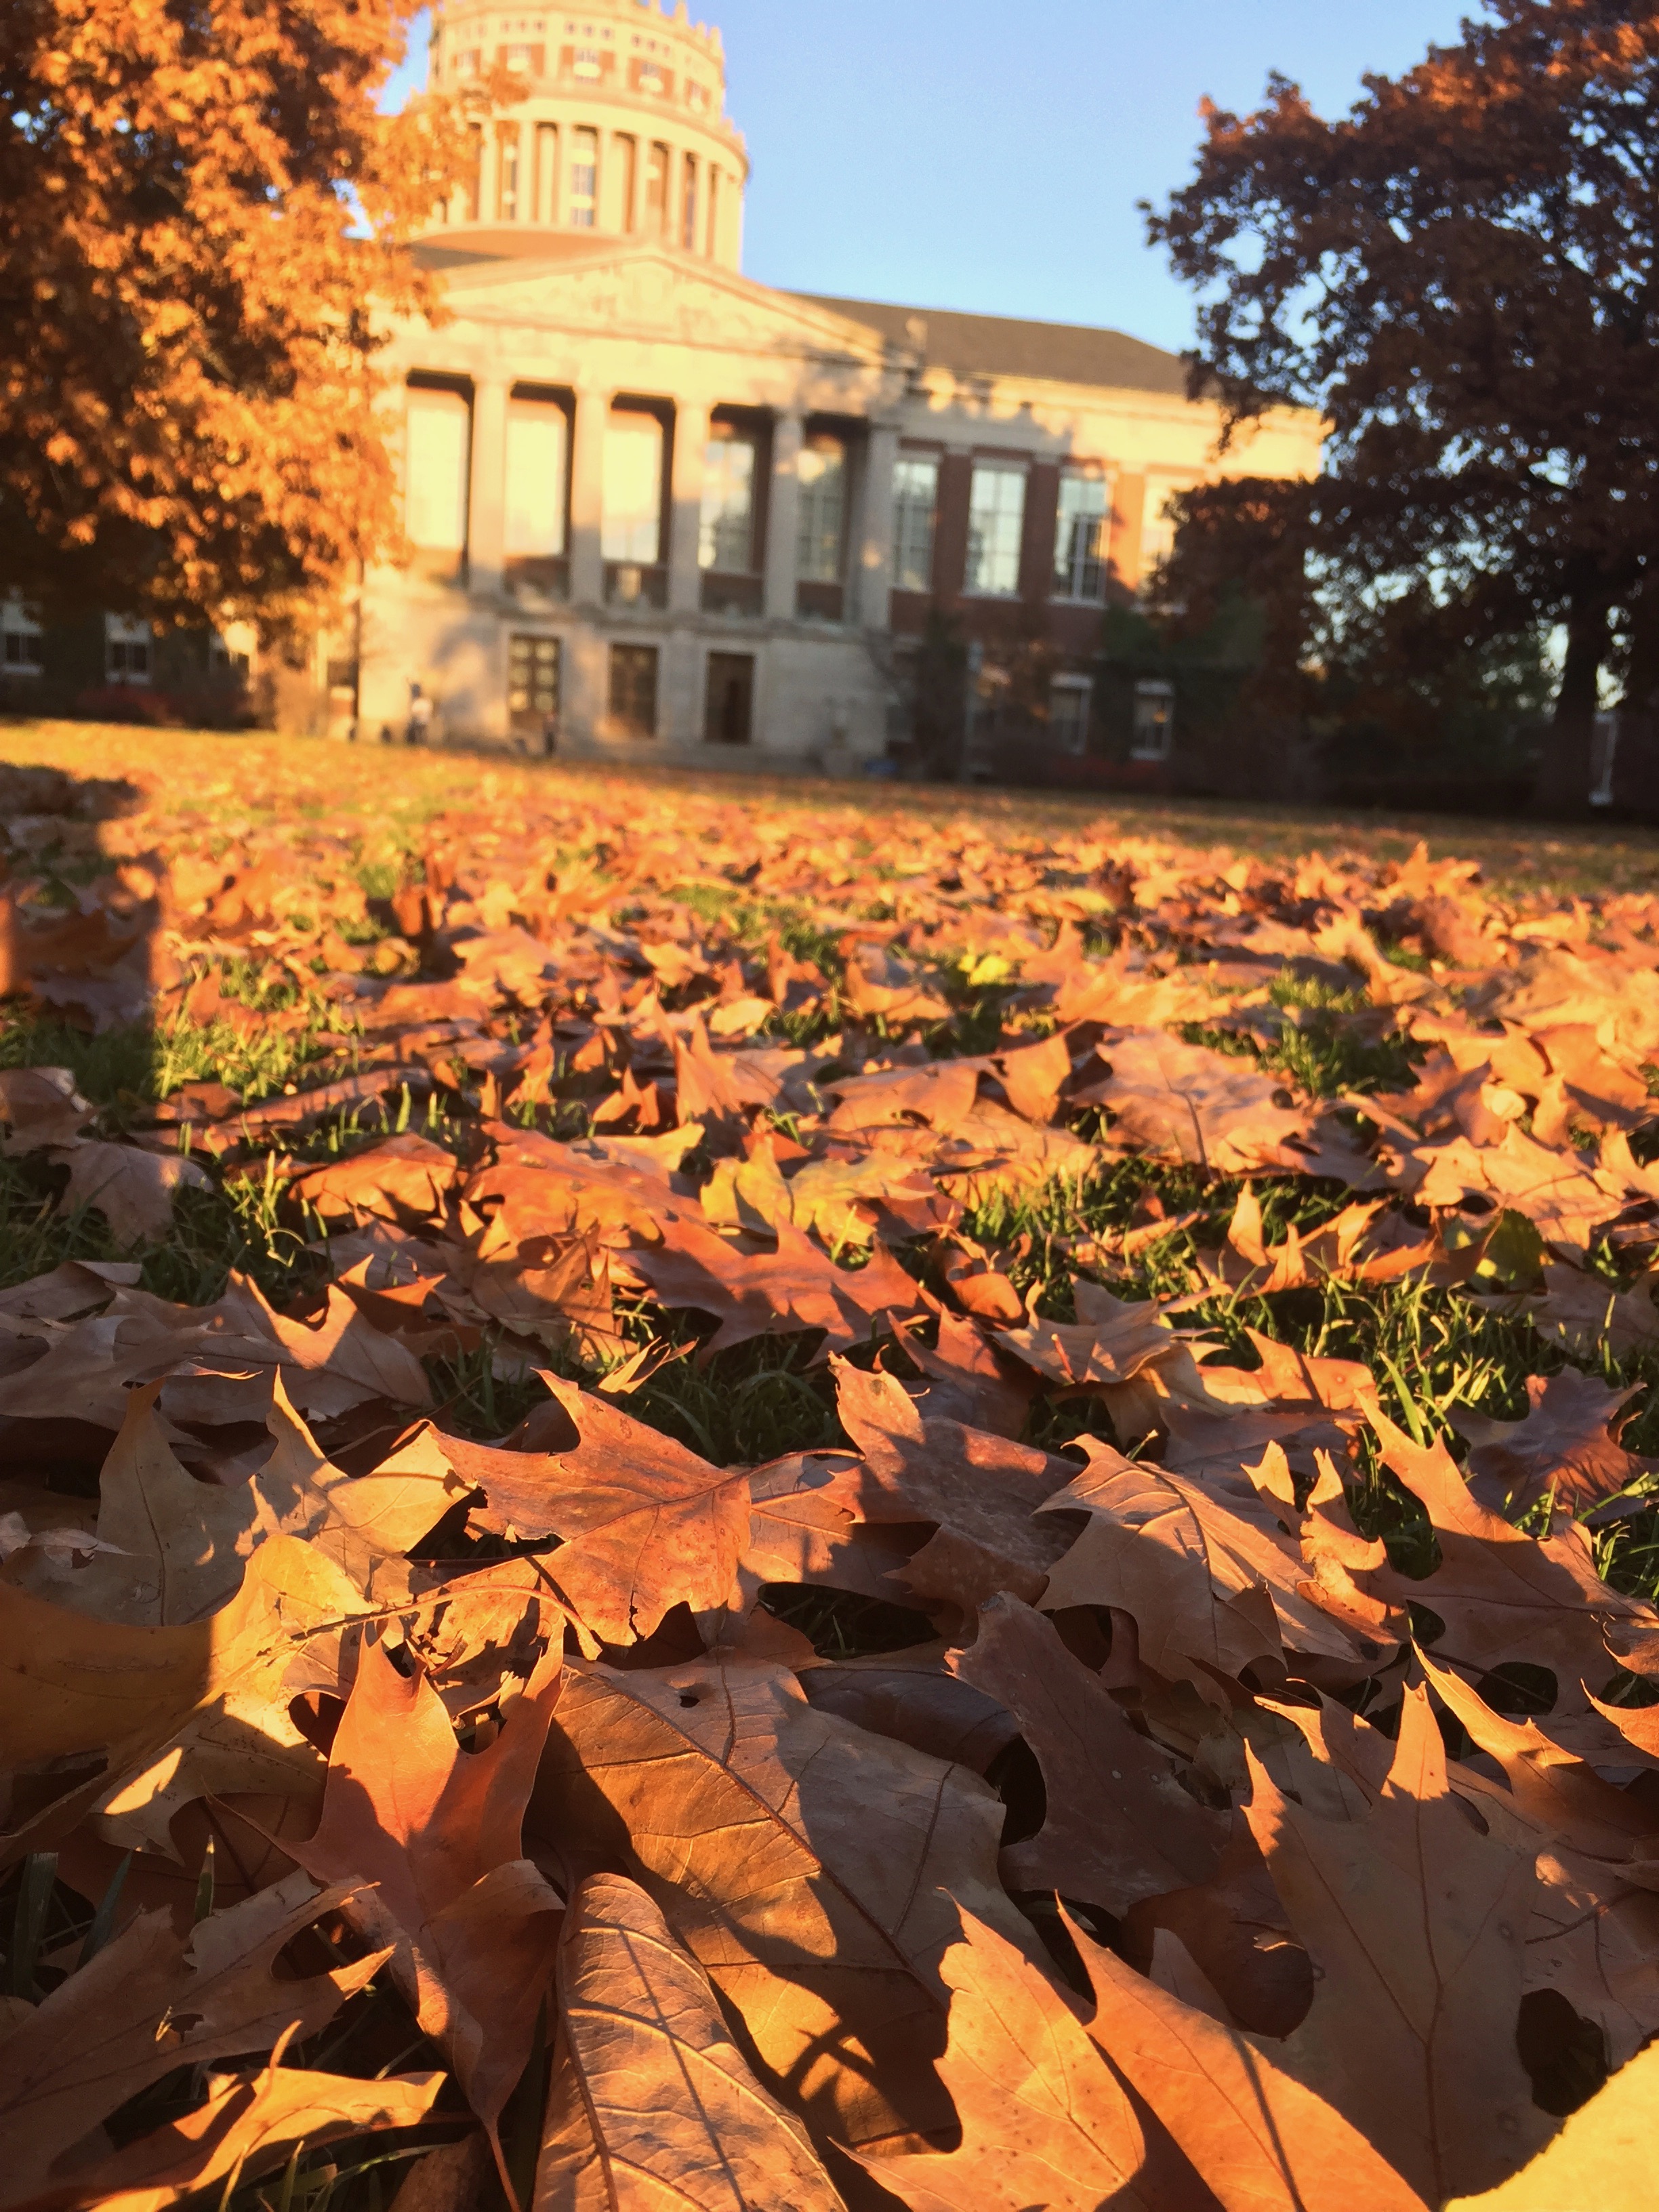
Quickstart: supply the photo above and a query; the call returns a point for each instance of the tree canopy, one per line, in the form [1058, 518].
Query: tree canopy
[201, 214]
[1462, 275]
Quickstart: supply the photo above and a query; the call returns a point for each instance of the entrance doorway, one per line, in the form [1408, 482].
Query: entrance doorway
[533, 690]
[729, 713]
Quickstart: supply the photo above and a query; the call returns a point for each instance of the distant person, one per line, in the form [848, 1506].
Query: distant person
[420, 716]
[549, 736]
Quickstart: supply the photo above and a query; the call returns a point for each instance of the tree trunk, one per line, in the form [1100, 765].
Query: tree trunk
[1564, 773]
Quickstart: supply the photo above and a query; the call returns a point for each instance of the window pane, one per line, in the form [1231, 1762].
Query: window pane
[584, 178]
[1157, 531]
[822, 476]
[726, 540]
[1080, 539]
[1068, 716]
[439, 441]
[915, 503]
[634, 689]
[995, 523]
[633, 489]
[536, 445]
[1154, 722]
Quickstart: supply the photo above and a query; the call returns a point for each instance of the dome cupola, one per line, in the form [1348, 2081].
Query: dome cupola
[621, 128]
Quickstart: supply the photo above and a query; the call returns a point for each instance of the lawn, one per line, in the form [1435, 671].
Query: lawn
[884, 1457]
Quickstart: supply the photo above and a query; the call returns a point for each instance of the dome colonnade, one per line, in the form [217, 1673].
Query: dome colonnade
[620, 129]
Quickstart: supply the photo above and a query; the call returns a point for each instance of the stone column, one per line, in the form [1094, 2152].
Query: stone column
[588, 495]
[486, 533]
[783, 514]
[875, 559]
[489, 176]
[685, 508]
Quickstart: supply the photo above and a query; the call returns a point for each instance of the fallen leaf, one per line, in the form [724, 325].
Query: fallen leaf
[650, 2095]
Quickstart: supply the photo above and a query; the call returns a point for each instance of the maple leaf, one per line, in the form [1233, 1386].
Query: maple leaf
[1416, 1923]
[1259, 2140]
[800, 1860]
[1184, 1103]
[646, 1523]
[469, 1921]
[149, 2002]
[798, 1288]
[1563, 1446]
[1212, 1581]
[1045, 2121]
[650, 2095]
[1119, 1825]
[104, 1713]
[249, 2126]
[980, 1491]
[1503, 1595]
[1111, 1340]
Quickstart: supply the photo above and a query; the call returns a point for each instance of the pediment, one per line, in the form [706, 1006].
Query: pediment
[647, 293]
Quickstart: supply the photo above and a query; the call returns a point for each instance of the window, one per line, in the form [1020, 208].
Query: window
[1157, 528]
[584, 178]
[547, 172]
[729, 706]
[628, 150]
[532, 685]
[634, 691]
[656, 191]
[1154, 724]
[521, 57]
[634, 457]
[537, 450]
[126, 650]
[20, 639]
[725, 541]
[996, 520]
[1069, 699]
[1080, 538]
[587, 63]
[507, 190]
[439, 458]
[916, 504]
[821, 473]
[651, 78]
[713, 212]
[689, 204]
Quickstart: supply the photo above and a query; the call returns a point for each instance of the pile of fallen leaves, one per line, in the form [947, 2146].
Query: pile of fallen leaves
[1119, 1748]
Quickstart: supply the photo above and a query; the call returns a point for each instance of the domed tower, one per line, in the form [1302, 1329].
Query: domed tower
[621, 131]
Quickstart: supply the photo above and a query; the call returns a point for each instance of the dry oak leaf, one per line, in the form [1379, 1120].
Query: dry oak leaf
[980, 1492]
[1601, 2160]
[1259, 2140]
[102, 1713]
[1582, 1313]
[1503, 1595]
[1110, 1340]
[1184, 1103]
[650, 2101]
[1047, 2125]
[1119, 1825]
[43, 1107]
[1034, 1075]
[1563, 1446]
[646, 1524]
[133, 1189]
[800, 1860]
[912, 1697]
[149, 2002]
[941, 1092]
[249, 2126]
[967, 1381]
[770, 1294]
[1213, 1583]
[407, 1176]
[1416, 1921]
[438, 1834]
[1565, 1201]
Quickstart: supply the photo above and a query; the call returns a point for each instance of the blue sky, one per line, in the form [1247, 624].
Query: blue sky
[988, 157]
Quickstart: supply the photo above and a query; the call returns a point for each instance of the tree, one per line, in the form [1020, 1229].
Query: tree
[203, 228]
[1461, 274]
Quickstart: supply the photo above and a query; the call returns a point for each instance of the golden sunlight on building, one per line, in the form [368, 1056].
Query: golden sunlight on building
[655, 508]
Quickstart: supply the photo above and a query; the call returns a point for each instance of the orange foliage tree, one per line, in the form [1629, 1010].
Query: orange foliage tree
[1460, 274]
[205, 218]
